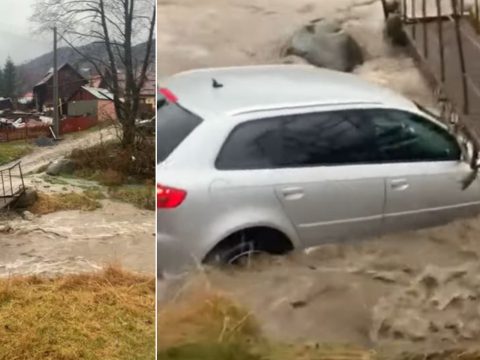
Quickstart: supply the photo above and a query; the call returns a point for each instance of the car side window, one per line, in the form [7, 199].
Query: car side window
[406, 137]
[252, 145]
[327, 138]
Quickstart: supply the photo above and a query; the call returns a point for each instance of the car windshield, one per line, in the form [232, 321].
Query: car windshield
[174, 124]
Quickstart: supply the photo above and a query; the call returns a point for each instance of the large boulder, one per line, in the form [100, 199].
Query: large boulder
[61, 166]
[394, 30]
[392, 6]
[325, 44]
[43, 141]
[28, 198]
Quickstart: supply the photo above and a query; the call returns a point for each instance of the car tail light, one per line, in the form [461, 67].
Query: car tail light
[168, 95]
[169, 198]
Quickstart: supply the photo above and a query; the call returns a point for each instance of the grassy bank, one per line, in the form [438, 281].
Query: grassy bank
[128, 174]
[13, 150]
[109, 315]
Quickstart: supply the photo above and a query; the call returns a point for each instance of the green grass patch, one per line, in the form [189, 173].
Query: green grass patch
[142, 196]
[14, 150]
[108, 315]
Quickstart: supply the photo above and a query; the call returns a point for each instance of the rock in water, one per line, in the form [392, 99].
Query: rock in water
[325, 44]
[394, 30]
[392, 6]
[61, 166]
[28, 198]
[27, 215]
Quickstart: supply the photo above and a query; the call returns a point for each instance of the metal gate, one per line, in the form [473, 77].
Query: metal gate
[443, 37]
[12, 185]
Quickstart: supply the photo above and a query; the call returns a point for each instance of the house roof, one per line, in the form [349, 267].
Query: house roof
[148, 89]
[100, 94]
[49, 74]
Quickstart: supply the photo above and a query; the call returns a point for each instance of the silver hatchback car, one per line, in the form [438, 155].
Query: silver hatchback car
[274, 158]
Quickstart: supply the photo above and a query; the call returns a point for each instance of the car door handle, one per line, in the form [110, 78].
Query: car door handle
[292, 192]
[399, 184]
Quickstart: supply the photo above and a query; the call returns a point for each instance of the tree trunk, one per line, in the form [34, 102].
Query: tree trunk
[129, 131]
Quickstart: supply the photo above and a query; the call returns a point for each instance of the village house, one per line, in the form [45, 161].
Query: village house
[69, 82]
[147, 93]
[92, 102]
[147, 98]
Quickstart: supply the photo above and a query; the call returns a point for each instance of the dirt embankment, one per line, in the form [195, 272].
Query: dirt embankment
[415, 291]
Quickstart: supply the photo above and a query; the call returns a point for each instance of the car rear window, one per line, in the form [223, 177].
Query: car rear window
[174, 124]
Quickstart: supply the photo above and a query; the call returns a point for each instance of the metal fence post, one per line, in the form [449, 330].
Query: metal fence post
[461, 56]
[414, 28]
[440, 41]
[477, 17]
[425, 35]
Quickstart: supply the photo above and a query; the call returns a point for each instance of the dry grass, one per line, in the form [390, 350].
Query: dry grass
[142, 196]
[109, 315]
[49, 203]
[200, 324]
[94, 193]
[203, 316]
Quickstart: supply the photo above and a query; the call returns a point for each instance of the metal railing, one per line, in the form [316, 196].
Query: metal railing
[441, 12]
[12, 184]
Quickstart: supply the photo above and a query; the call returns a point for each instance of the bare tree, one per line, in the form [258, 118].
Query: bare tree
[118, 25]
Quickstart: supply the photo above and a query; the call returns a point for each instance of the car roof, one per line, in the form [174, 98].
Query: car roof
[249, 89]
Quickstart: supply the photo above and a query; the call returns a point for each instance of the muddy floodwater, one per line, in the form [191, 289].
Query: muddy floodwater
[76, 241]
[415, 290]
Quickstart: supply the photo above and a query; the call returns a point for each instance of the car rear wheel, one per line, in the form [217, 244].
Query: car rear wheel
[241, 248]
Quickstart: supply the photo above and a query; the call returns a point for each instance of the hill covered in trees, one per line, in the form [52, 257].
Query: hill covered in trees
[31, 72]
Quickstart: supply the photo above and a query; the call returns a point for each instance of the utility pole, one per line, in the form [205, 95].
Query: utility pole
[56, 122]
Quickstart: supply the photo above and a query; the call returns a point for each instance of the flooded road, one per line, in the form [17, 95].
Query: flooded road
[76, 241]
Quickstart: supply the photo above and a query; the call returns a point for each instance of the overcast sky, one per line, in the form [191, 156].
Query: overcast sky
[17, 38]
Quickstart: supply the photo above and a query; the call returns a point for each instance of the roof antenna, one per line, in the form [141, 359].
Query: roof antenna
[216, 84]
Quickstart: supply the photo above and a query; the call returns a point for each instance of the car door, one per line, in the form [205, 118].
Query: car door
[424, 172]
[324, 177]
